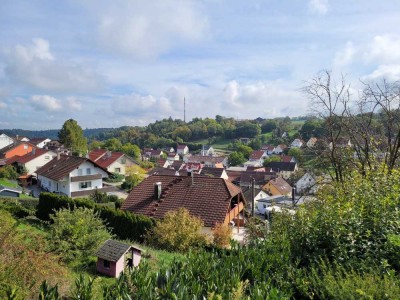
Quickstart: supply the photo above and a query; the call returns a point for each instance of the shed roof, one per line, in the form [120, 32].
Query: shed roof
[112, 250]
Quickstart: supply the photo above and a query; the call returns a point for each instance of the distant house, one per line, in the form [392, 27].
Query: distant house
[280, 149]
[16, 149]
[312, 142]
[57, 146]
[207, 161]
[342, 143]
[207, 150]
[288, 158]
[258, 194]
[277, 186]
[114, 257]
[72, 176]
[182, 150]
[213, 200]
[5, 140]
[214, 172]
[39, 142]
[19, 138]
[114, 162]
[172, 156]
[265, 204]
[284, 169]
[297, 143]
[307, 184]
[269, 149]
[34, 160]
[253, 163]
[260, 178]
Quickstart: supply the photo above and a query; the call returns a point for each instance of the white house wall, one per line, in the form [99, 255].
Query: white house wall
[5, 141]
[40, 161]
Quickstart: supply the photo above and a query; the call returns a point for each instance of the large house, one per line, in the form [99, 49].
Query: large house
[207, 150]
[297, 143]
[34, 160]
[213, 200]
[307, 184]
[72, 176]
[114, 162]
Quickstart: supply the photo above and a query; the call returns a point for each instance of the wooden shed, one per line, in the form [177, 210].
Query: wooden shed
[114, 257]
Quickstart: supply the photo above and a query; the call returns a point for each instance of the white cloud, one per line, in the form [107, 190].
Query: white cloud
[148, 29]
[346, 56]
[318, 6]
[45, 103]
[73, 104]
[36, 67]
[384, 48]
[390, 72]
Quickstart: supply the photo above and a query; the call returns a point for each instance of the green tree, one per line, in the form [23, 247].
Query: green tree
[8, 172]
[268, 126]
[71, 135]
[77, 234]
[236, 158]
[245, 150]
[297, 153]
[178, 231]
[271, 159]
[131, 150]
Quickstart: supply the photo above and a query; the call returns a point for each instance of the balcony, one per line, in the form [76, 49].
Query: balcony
[85, 178]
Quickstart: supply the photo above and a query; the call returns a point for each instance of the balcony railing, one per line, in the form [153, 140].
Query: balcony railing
[86, 177]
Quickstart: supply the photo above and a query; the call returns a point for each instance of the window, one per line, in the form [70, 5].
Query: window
[106, 264]
[265, 205]
[80, 172]
[123, 161]
[117, 170]
[88, 171]
[25, 147]
[47, 157]
[85, 185]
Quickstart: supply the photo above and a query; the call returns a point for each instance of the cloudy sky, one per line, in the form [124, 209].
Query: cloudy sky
[126, 62]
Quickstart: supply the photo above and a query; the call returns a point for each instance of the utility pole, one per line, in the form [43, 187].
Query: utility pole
[252, 196]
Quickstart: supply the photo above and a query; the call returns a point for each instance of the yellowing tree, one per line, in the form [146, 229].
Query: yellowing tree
[178, 231]
[222, 235]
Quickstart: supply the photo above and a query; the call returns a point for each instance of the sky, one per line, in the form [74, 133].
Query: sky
[125, 62]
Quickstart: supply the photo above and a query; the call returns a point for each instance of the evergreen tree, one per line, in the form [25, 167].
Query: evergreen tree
[71, 135]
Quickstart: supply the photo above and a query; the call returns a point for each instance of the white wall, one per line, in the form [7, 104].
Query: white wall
[5, 140]
[40, 161]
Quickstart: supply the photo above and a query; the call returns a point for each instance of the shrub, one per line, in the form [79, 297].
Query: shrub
[178, 231]
[8, 172]
[76, 234]
[115, 177]
[222, 235]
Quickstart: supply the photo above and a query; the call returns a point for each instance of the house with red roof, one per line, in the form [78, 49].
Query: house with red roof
[34, 160]
[212, 199]
[113, 162]
[16, 149]
[39, 142]
[72, 176]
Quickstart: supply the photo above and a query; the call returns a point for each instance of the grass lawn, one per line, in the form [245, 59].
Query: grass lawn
[8, 183]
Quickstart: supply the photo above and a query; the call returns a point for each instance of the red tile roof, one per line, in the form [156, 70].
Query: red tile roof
[286, 158]
[57, 169]
[181, 147]
[207, 198]
[31, 155]
[107, 159]
[257, 154]
[96, 154]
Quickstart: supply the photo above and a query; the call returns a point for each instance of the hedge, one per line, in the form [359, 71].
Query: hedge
[125, 225]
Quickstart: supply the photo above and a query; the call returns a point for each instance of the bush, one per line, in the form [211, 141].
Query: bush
[222, 235]
[8, 172]
[76, 234]
[115, 177]
[125, 225]
[178, 231]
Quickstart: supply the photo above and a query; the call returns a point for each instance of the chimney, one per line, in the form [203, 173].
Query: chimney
[58, 155]
[33, 151]
[157, 190]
